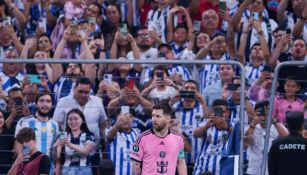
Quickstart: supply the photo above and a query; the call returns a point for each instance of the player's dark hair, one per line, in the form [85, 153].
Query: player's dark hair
[164, 106]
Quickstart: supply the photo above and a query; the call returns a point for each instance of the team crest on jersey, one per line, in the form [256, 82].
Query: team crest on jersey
[135, 148]
[162, 154]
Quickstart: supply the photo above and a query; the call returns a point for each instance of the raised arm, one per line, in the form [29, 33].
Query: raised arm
[193, 7]
[235, 20]
[281, 10]
[170, 27]
[263, 43]
[231, 42]
[243, 41]
[284, 41]
[15, 12]
[299, 25]
[200, 132]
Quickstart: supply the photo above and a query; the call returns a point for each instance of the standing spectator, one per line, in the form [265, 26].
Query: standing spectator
[11, 75]
[255, 137]
[7, 144]
[140, 107]
[215, 132]
[29, 161]
[46, 129]
[9, 39]
[74, 149]
[157, 19]
[288, 155]
[191, 111]
[255, 11]
[121, 137]
[300, 29]
[288, 101]
[161, 86]
[259, 53]
[216, 90]
[91, 106]
[159, 150]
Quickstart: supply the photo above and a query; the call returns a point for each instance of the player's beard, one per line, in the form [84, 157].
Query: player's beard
[159, 127]
[43, 114]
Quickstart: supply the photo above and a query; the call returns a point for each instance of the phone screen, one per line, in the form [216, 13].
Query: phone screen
[222, 5]
[218, 111]
[187, 94]
[196, 25]
[63, 135]
[160, 76]
[123, 30]
[35, 79]
[125, 109]
[130, 84]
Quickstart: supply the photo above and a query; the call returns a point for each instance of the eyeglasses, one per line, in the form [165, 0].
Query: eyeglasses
[144, 35]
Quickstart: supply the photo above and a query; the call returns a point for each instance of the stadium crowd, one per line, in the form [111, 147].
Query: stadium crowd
[88, 118]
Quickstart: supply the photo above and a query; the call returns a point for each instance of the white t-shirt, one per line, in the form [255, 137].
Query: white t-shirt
[161, 95]
[255, 150]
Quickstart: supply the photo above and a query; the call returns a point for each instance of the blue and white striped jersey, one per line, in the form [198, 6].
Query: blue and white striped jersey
[71, 157]
[119, 148]
[10, 82]
[46, 132]
[63, 87]
[178, 50]
[209, 73]
[189, 120]
[208, 159]
[252, 73]
[181, 71]
[157, 19]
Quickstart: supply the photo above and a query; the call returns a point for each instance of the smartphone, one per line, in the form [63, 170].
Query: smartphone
[288, 31]
[18, 101]
[125, 110]
[161, 55]
[130, 84]
[123, 30]
[255, 16]
[218, 111]
[25, 151]
[160, 75]
[261, 111]
[92, 21]
[7, 21]
[107, 78]
[233, 87]
[63, 135]
[196, 25]
[222, 5]
[74, 26]
[42, 23]
[35, 79]
[187, 94]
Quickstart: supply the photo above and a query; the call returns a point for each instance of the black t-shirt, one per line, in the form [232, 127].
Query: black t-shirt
[44, 165]
[288, 155]
[6, 147]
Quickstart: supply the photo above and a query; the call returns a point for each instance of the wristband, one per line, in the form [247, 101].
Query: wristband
[251, 126]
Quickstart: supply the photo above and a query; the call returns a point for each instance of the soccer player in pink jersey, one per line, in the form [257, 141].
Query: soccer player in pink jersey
[160, 149]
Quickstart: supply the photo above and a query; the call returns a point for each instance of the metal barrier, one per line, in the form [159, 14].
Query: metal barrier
[269, 119]
[189, 62]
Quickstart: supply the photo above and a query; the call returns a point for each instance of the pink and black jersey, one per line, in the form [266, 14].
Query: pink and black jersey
[158, 155]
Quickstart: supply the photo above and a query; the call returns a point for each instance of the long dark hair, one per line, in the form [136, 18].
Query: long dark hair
[83, 127]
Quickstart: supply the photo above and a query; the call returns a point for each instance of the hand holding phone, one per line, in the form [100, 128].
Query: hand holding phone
[36, 79]
[25, 151]
[63, 135]
[218, 111]
[125, 110]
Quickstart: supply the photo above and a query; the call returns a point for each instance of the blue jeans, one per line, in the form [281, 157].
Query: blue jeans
[82, 170]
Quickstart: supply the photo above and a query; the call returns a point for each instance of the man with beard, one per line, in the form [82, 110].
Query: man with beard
[145, 42]
[160, 149]
[46, 129]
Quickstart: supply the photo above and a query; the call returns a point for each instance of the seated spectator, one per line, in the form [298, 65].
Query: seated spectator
[255, 137]
[29, 159]
[161, 86]
[6, 146]
[288, 101]
[121, 136]
[75, 146]
[215, 132]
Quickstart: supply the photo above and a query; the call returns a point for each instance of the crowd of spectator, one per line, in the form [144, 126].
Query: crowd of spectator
[84, 115]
